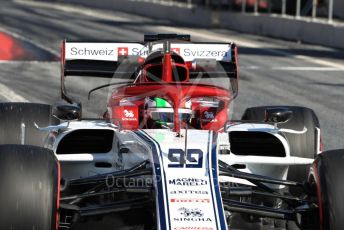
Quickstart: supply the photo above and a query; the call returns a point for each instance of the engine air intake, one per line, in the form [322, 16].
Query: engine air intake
[86, 141]
[255, 144]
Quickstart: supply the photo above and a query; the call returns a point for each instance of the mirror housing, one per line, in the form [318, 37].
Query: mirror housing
[278, 115]
[67, 112]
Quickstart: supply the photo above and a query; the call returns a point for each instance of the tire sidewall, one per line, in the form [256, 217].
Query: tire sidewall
[29, 194]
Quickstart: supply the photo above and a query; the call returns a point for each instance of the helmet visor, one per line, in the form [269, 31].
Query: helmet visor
[166, 115]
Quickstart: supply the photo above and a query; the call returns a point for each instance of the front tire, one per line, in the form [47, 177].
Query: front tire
[326, 176]
[29, 188]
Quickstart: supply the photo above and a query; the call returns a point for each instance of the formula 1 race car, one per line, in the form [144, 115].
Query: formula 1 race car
[163, 152]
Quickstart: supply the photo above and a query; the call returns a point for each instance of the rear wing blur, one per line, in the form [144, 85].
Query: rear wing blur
[102, 59]
[96, 59]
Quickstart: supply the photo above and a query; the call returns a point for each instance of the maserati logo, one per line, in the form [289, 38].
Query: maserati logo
[191, 215]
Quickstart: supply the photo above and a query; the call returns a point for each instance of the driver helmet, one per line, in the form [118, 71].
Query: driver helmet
[160, 112]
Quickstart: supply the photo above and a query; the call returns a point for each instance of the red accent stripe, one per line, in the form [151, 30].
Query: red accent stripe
[58, 195]
[63, 52]
[167, 68]
[10, 48]
[320, 201]
[237, 62]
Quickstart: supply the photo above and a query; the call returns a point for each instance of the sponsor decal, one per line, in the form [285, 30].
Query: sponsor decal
[189, 192]
[218, 51]
[206, 53]
[191, 215]
[209, 115]
[128, 113]
[139, 52]
[176, 50]
[191, 212]
[75, 51]
[191, 200]
[192, 159]
[122, 51]
[111, 51]
[188, 182]
[191, 51]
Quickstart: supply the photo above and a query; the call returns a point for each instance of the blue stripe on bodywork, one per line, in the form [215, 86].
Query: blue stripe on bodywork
[215, 182]
[211, 183]
[158, 177]
[159, 174]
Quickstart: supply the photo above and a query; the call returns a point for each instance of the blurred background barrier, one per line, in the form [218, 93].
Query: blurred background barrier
[305, 8]
[310, 21]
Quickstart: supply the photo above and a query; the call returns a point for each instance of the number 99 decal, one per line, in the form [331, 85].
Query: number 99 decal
[192, 159]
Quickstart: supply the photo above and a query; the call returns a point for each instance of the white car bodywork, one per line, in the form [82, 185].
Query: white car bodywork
[83, 164]
[185, 170]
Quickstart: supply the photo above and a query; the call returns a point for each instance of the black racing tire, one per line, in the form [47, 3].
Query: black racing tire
[326, 177]
[301, 145]
[13, 118]
[29, 188]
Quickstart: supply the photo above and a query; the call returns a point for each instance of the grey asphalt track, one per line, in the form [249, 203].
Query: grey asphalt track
[272, 72]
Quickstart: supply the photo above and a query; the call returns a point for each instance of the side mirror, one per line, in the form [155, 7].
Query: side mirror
[278, 115]
[67, 112]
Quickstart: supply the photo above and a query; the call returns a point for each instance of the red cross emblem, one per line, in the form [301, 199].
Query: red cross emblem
[176, 50]
[122, 51]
